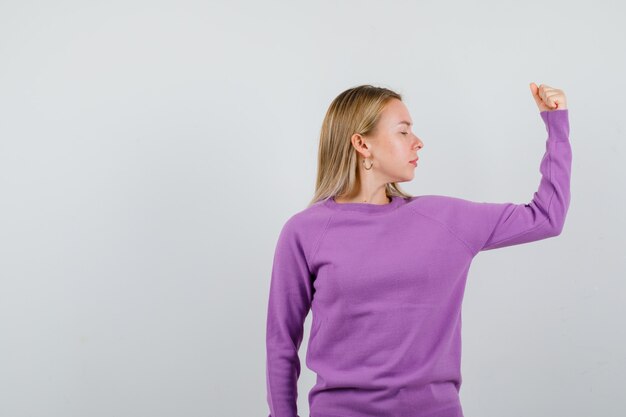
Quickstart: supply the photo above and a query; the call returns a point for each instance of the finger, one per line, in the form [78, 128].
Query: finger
[545, 93]
[558, 99]
[543, 90]
[535, 92]
[552, 100]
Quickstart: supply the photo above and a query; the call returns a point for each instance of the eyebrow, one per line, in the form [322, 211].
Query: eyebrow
[405, 122]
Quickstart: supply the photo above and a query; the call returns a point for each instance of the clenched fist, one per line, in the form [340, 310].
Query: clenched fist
[548, 98]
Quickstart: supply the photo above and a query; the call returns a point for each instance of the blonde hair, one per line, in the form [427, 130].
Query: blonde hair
[356, 110]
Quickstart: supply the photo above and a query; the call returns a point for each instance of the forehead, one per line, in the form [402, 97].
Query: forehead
[395, 114]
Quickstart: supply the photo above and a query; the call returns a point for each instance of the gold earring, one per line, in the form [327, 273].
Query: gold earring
[367, 167]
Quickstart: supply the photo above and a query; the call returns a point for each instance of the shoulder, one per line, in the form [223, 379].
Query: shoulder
[306, 227]
[437, 204]
[309, 219]
[456, 212]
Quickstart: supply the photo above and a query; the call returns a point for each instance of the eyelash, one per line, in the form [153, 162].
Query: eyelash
[405, 133]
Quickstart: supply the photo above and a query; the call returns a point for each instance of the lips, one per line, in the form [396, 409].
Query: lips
[414, 160]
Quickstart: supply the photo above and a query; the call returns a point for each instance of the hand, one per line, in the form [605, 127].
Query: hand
[548, 98]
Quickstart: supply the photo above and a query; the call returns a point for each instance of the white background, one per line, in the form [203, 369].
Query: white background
[151, 151]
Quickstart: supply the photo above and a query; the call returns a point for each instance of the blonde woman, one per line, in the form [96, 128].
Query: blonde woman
[384, 272]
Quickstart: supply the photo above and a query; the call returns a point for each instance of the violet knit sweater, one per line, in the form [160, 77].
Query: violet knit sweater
[385, 285]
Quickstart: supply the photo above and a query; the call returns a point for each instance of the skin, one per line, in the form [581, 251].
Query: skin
[392, 145]
[548, 98]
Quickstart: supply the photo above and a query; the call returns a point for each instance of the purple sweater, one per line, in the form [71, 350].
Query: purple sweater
[385, 285]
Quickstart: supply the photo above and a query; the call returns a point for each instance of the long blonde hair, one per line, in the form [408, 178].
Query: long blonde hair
[356, 110]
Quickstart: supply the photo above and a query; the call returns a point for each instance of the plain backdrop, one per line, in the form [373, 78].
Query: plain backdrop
[150, 152]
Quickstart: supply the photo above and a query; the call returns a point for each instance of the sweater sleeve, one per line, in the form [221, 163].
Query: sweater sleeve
[489, 226]
[289, 302]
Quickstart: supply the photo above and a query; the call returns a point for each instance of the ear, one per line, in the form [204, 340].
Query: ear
[361, 146]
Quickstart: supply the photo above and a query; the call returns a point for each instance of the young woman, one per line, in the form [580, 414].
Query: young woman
[384, 272]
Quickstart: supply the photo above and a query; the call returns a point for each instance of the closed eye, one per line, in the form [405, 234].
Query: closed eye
[405, 133]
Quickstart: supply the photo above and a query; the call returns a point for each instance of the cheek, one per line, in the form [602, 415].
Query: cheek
[399, 153]
[393, 153]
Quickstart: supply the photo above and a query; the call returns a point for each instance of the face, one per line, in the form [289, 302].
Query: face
[393, 144]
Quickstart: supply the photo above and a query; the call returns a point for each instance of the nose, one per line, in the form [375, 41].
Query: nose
[418, 143]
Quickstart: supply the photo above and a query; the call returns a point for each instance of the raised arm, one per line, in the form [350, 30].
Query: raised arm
[290, 298]
[485, 226]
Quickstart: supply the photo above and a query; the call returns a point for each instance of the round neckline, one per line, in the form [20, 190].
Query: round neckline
[364, 207]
